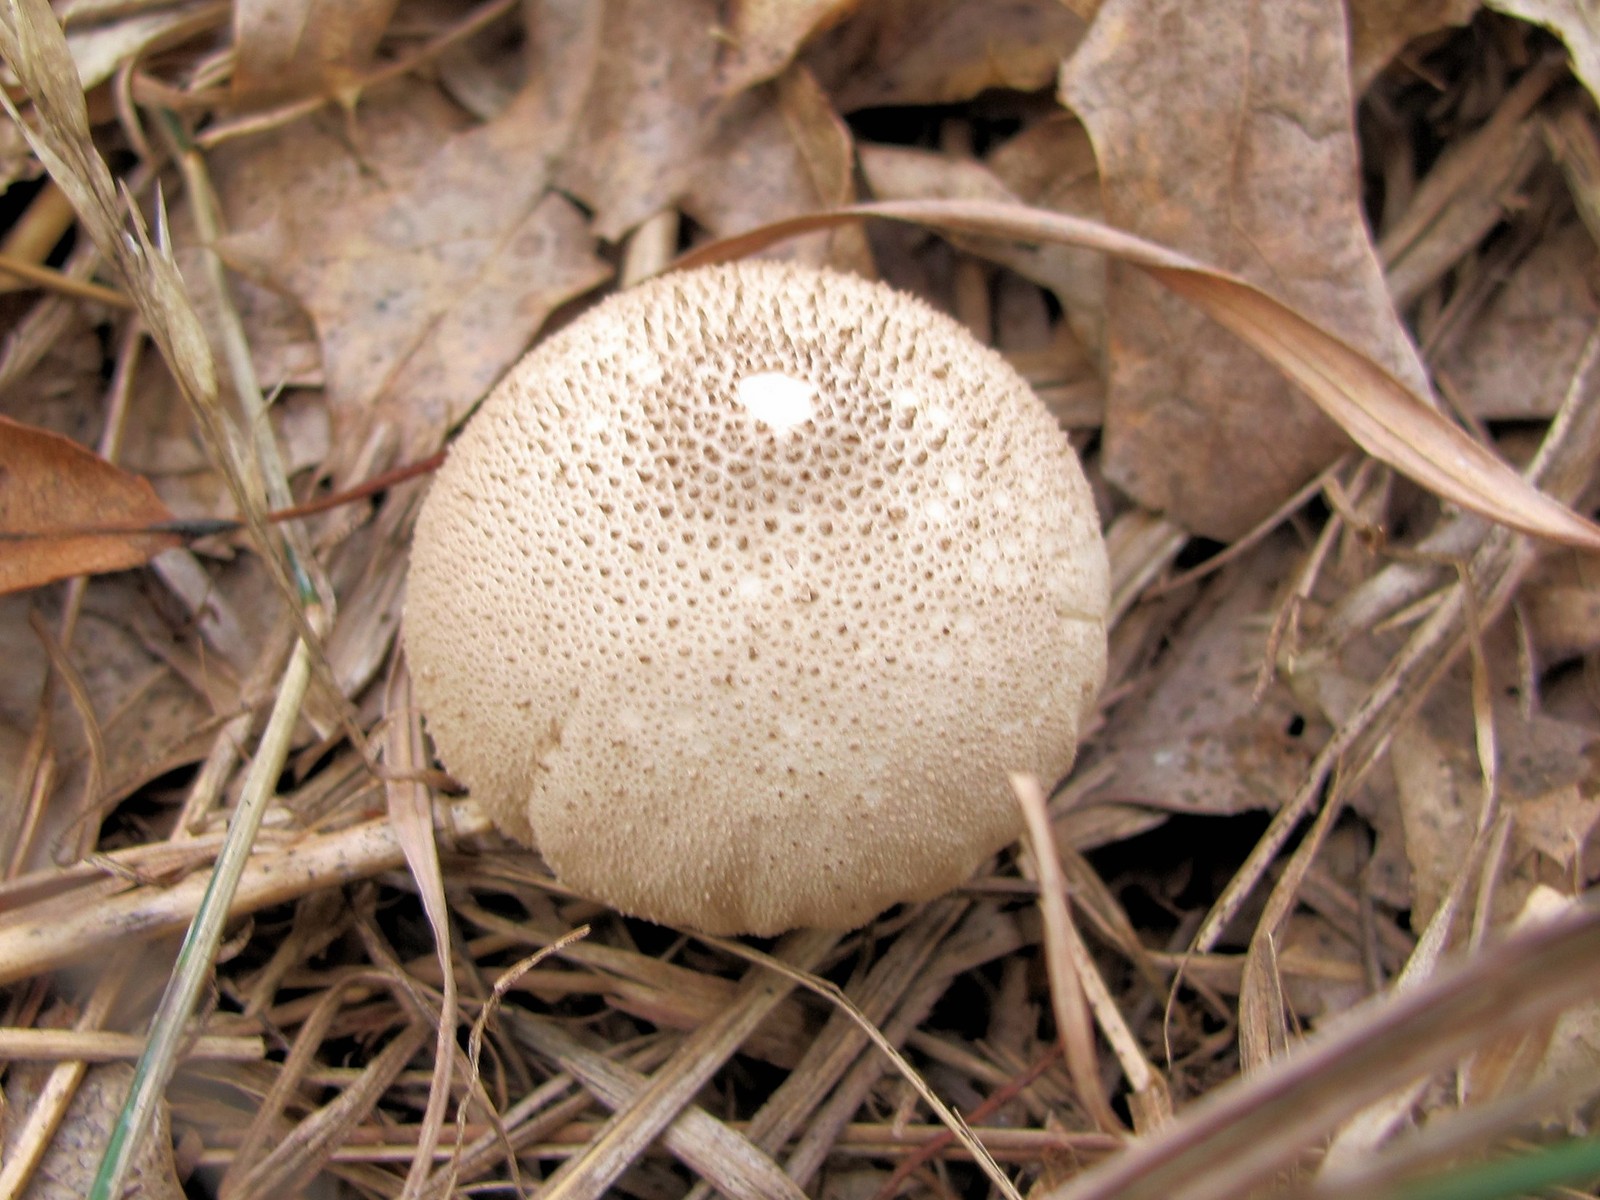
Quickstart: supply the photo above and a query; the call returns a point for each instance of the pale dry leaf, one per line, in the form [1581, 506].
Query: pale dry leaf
[1561, 604]
[69, 1164]
[1439, 801]
[649, 102]
[763, 36]
[1575, 22]
[427, 285]
[1075, 276]
[1560, 824]
[1517, 357]
[1380, 29]
[1439, 790]
[1322, 968]
[1194, 738]
[292, 47]
[276, 188]
[1241, 151]
[777, 151]
[904, 52]
[1568, 1047]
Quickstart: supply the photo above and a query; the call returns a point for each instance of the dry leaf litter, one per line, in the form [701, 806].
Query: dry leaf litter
[1313, 909]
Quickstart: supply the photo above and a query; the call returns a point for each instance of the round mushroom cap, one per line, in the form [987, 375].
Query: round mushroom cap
[742, 595]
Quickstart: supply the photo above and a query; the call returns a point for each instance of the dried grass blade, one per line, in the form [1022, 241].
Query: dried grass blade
[33, 44]
[633, 1127]
[411, 814]
[445, 1179]
[1239, 1135]
[196, 959]
[727, 1160]
[842, 1040]
[290, 1166]
[1382, 415]
[1066, 957]
[1564, 464]
[831, 992]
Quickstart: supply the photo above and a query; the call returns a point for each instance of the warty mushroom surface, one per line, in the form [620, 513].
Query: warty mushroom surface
[741, 596]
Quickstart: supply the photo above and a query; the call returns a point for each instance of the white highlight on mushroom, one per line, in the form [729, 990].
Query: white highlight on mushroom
[777, 400]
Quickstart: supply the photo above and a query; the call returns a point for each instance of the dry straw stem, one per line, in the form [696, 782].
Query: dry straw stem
[53, 934]
[1067, 958]
[1076, 986]
[638, 1123]
[846, 1098]
[99, 1045]
[1383, 416]
[411, 814]
[197, 957]
[726, 1160]
[1239, 1136]
[1495, 566]
[55, 281]
[446, 1180]
[832, 1052]
[564, 1136]
[294, 1162]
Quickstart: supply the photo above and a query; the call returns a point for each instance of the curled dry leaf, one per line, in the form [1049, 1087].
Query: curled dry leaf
[65, 511]
[1382, 415]
[1264, 184]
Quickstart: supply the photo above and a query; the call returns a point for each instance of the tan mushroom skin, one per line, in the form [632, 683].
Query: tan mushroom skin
[742, 595]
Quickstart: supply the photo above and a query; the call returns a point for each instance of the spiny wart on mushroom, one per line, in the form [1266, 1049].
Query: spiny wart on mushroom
[741, 596]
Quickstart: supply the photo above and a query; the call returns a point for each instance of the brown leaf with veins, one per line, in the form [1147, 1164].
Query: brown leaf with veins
[427, 285]
[1197, 738]
[1240, 151]
[65, 511]
[653, 95]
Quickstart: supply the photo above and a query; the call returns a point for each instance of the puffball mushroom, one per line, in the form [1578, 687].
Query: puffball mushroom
[741, 596]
